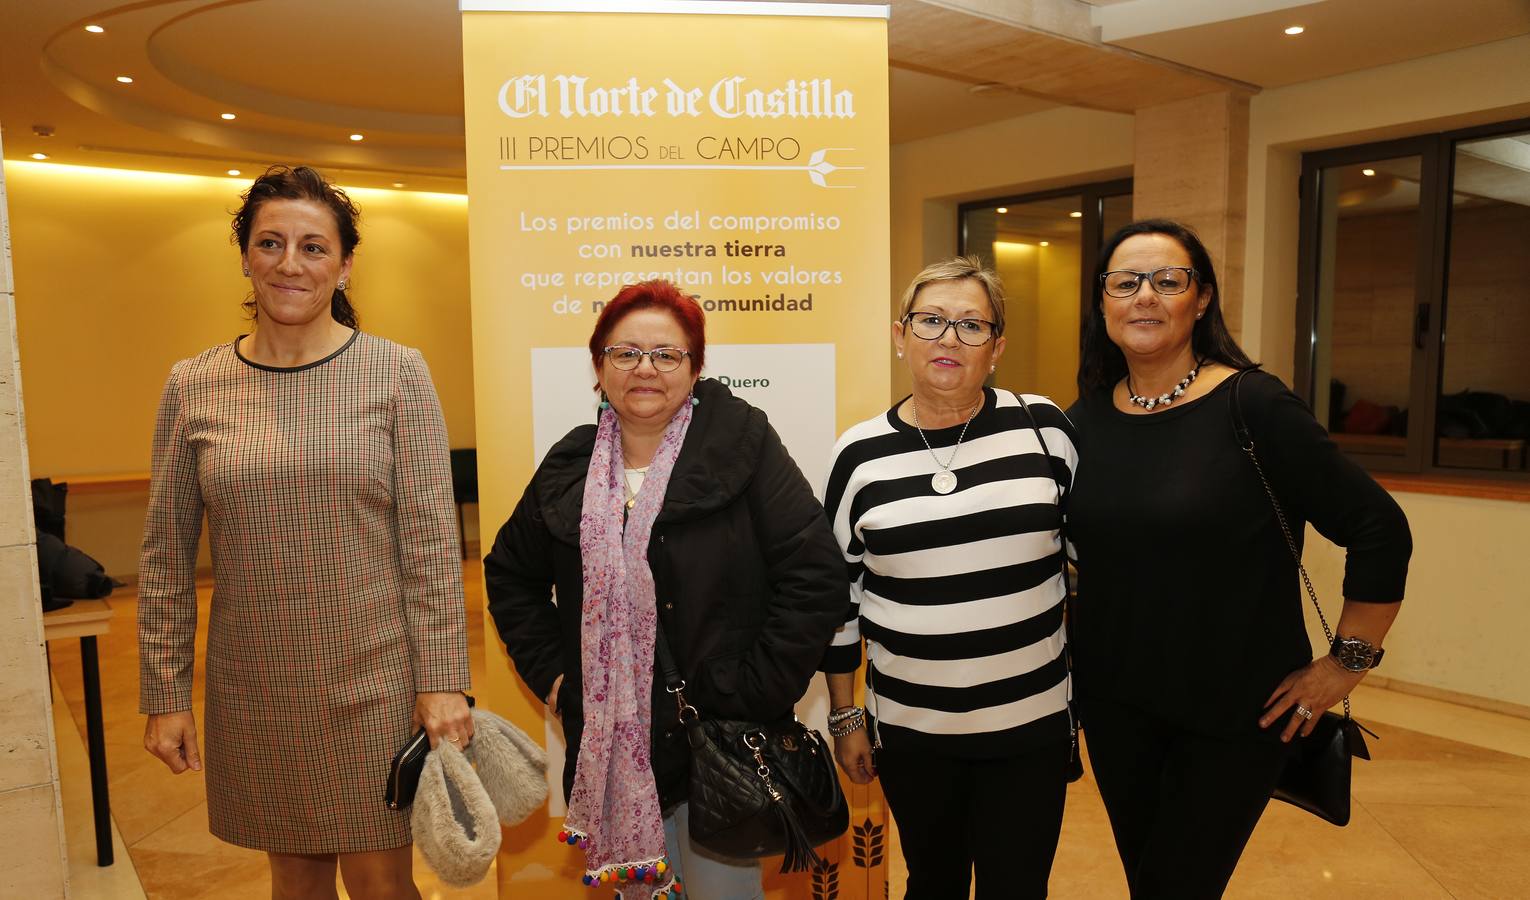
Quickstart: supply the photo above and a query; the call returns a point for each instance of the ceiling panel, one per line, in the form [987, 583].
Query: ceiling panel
[1340, 36]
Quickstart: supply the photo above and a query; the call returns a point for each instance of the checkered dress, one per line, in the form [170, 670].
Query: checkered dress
[337, 595]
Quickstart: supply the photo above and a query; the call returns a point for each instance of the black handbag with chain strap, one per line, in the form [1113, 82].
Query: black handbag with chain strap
[1317, 773]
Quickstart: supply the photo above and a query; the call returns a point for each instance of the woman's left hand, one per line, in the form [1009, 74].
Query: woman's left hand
[1314, 687]
[445, 717]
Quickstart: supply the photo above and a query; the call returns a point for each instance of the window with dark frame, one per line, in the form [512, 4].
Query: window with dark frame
[1044, 246]
[1414, 306]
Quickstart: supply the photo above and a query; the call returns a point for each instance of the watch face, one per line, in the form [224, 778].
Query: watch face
[1355, 654]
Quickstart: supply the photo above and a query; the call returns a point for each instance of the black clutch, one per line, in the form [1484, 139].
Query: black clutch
[404, 771]
[1317, 774]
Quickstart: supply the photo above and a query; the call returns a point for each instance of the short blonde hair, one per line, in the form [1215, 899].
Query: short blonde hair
[955, 269]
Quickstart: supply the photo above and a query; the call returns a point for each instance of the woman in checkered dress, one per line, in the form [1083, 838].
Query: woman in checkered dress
[337, 625]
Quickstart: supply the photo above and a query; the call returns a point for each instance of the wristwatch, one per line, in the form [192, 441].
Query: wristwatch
[1355, 654]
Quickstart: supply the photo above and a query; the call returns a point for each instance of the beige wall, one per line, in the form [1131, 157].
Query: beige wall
[1466, 611]
[120, 274]
[31, 819]
[1050, 149]
[1464, 621]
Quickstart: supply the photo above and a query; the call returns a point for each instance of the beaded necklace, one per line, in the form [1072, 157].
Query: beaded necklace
[1166, 398]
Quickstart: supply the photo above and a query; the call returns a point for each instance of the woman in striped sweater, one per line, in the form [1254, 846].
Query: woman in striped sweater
[947, 510]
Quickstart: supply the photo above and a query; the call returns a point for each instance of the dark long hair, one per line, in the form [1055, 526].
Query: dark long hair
[302, 183]
[1101, 364]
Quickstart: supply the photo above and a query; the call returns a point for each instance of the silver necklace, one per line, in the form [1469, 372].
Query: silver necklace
[1165, 398]
[944, 481]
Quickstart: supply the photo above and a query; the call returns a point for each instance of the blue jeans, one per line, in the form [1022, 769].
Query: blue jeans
[707, 876]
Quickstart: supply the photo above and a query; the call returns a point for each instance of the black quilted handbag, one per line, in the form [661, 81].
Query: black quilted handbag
[758, 789]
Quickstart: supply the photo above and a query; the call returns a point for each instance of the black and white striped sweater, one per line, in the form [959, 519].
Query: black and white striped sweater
[958, 596]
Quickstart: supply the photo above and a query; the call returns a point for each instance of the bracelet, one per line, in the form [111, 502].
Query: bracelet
[843, 729]
[844, 714]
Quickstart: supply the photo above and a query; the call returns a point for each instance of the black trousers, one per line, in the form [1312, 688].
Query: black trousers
[1000, 817]
[1182, 805]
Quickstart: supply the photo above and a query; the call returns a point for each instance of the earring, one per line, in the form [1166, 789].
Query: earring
[340, 286]
[991, 369]
[900, 354]
[247, 271]
[694, 401]
[605, 402]
[1199, 314]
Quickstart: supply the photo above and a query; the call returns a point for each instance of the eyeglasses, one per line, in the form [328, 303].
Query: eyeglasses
[932, 327]
[664, 359]
[1168, 281]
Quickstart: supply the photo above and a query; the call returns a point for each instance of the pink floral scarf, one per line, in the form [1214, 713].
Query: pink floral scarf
[613, 810]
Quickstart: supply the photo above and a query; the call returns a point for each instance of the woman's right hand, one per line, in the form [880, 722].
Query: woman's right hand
[853, 752]
[173, 738]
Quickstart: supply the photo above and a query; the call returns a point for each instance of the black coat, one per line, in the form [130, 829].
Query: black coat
[750, 582]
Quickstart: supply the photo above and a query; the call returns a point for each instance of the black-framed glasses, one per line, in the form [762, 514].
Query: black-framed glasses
[1167, 281]
[664, 359]
[932, 327]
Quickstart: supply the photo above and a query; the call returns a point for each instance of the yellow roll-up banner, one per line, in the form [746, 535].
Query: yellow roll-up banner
[738, 149]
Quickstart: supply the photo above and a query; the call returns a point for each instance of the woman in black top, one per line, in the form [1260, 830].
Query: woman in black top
[1193, 670]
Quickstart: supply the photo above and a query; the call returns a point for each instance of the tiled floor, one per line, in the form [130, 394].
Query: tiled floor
[1442, 811]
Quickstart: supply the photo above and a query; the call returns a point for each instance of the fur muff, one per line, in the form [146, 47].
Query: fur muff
[512, 766]
[454, 820]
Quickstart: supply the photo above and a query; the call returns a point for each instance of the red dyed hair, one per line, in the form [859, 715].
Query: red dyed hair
[662, 295]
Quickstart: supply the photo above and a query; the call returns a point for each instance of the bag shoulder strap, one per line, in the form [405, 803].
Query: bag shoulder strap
[1062, 494]
[666, 659]
[1245, 440]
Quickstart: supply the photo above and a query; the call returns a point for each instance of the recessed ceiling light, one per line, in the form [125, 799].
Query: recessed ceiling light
[1367, 172]
[125, 79]
[1075, 215]
[1295, 30]
[227, 117]
[357, 137]
[94, 29]
[39, 156]
[233, 171]
[398, 184]
[1003, 209]
[1046, 243]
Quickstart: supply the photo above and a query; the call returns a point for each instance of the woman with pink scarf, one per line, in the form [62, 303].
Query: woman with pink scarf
[679, 510]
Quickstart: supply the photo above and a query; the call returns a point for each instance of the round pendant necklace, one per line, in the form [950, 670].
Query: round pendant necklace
[1164, 399]
[944, 481]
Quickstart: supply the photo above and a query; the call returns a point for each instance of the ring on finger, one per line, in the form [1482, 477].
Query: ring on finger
[1304, 712]
[454, 740]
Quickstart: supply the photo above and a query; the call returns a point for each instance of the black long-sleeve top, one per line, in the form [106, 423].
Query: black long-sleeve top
[1190, 606]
